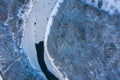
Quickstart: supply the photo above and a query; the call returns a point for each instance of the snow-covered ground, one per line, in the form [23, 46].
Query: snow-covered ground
[42, 11]
[1, 77]
[110, 6]
[48, 59]
[35, 29]
[29, 44]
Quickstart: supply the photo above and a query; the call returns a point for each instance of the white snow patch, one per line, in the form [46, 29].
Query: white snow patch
[112, 6]
[1, 77]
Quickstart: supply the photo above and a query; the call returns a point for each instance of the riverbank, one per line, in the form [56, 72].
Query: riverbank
[48, 59]
[35, 29]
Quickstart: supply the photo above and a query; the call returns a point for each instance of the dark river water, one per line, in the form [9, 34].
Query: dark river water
[40, 55]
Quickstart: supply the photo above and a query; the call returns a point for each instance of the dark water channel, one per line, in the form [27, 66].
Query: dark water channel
[40, 55]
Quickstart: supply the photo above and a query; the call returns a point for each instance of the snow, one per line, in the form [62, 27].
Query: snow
[40, 14]
[110, 6]
[48, 59]
[29, 44]
[43, 10]
[28, 41]
[1, 77]
[35, 29]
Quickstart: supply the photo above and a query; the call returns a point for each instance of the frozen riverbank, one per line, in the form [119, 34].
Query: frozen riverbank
[48, 59]
[35, 29]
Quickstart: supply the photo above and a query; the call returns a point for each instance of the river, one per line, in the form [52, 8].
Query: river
[40, 55]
